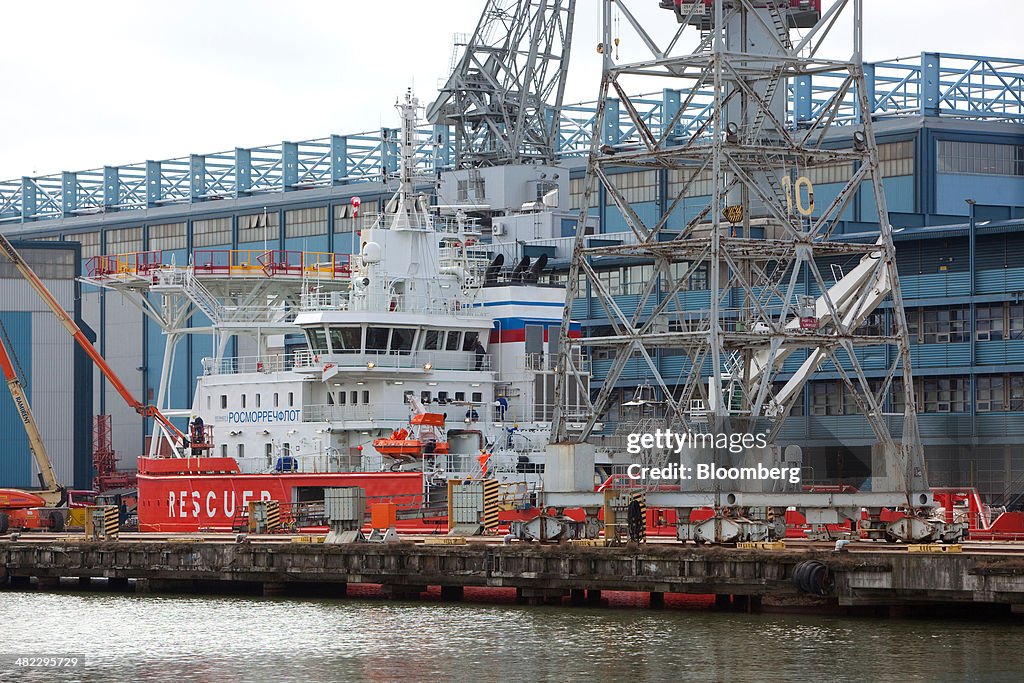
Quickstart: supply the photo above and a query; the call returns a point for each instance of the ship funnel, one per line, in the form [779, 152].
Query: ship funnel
[491, 274]
[520, 269]
[536, 269]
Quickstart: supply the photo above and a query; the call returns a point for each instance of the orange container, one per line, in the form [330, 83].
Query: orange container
[383, 515]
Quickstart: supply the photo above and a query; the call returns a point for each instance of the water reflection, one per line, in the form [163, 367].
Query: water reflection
[164, 638]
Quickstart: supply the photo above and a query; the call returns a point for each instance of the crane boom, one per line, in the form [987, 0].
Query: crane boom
[76, 332]
[54, 493]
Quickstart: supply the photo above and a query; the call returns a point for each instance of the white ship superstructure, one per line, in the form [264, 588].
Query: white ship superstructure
[422, 318]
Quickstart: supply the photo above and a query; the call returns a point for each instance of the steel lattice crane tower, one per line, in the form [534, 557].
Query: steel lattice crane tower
[743, 288]
[504, 96]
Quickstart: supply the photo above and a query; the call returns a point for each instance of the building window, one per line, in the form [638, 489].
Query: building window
[945, 394]
[90, 242]
[345, 219]
[980, 158]
[223, 402]
[241, 450]
[991, 393]
[990, 323]
[826, 399]
[478, 397]
[212, 232]
[305, 222]
[896, 158]
[634, 187]
[243, 400]
[678, 177]
[168, 236]
[839, 172]
[577, 186]
[850, 406]
[873, 325]
[1016, 393]
[124, 241]
[938, 325]
[1015, 320]
[291, 399]
[259, 228]
[366, 397]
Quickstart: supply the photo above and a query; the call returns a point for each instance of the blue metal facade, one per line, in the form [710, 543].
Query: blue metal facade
[16, 463]
[952, 254]
[16, 467]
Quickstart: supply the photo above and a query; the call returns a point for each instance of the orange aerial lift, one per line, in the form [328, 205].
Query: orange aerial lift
[22, 509]
[39, 510]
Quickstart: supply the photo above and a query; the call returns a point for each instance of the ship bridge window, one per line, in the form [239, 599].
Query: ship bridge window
[470, 341]
[402, 338]
[433, 340]
[346, 339]
[317, 339]
[453, 341]
[377, 338]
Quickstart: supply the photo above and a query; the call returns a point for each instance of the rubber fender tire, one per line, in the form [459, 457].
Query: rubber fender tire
[57, 521]
[812, 577]
[798, 577]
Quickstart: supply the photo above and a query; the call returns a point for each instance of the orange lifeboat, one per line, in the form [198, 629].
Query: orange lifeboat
[401, 447]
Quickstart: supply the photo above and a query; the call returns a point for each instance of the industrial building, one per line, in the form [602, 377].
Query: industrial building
[951, 147]
[54, 371]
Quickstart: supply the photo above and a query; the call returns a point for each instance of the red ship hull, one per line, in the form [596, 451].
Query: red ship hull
[181, 495]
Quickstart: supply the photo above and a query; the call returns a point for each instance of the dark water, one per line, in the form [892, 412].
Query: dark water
[175, 638]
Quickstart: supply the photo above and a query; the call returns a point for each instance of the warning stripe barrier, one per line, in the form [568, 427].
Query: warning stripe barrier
[273, 515]
[636, 515]
[491, 504]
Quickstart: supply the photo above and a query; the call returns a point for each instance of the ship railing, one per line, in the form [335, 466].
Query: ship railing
[380, 301]
[249, 364]
[370, 412]
[455, 225]
[397, 360]
[460, 414]
[543, 362]
[127, 264]
[271, 263]
[380, 361]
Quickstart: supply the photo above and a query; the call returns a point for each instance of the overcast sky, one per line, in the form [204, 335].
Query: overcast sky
[99, 83]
